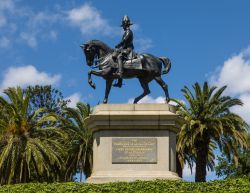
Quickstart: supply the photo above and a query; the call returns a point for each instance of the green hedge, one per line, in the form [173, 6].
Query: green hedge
[161, 186]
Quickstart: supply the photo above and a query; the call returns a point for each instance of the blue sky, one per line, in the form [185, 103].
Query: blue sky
[205, 40]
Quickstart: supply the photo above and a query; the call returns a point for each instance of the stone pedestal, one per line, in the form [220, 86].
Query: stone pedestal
[133, 142]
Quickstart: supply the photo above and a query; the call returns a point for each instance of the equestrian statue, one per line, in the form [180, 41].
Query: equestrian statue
[123, 63]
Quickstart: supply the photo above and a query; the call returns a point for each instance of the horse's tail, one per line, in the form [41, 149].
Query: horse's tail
[166, 63]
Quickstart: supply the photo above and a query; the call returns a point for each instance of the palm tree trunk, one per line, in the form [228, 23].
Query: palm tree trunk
[25, 173]
[81, 172]
[178, 166]
[201, 161]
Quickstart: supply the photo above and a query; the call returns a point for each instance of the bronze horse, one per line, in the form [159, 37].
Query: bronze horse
[99, 55]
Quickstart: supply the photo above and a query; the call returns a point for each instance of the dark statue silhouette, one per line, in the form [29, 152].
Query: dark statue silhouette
[123, 63]
[99, 55]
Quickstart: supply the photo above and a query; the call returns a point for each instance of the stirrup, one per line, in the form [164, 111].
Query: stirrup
[164, 72]
[119, 85]
[118, 74]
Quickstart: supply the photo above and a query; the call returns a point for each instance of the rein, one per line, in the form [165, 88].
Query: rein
[98, 60]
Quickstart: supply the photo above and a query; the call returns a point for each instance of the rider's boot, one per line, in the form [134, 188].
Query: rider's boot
[119, 83]
[120, 68]
[164, 71]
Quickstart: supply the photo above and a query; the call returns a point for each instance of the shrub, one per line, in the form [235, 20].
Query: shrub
[158, 186]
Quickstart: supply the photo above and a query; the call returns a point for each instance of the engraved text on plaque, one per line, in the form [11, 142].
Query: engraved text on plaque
[134, 150]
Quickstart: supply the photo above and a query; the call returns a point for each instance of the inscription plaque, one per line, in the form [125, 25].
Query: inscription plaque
[134, 150]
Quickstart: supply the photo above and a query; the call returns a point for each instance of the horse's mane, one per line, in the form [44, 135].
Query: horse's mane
[100, 44]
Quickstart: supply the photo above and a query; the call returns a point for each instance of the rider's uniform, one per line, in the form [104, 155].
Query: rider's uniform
[126, 45]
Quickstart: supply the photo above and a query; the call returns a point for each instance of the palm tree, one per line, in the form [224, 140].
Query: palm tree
[208, 122]
[80, 157]
[28, 150]
[183, 157]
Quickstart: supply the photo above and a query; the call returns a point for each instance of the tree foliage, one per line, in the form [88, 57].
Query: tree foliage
[209, 122]
[228, 168]
[81, 141]
[46, 97]
[28, 149]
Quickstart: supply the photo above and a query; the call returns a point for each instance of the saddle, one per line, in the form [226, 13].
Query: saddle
[132, 61]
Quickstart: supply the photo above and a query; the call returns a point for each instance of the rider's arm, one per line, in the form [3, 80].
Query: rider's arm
[124, 39]
[126, 36]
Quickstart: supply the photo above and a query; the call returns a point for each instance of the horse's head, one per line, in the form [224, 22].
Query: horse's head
[90, 52]
[93, 49]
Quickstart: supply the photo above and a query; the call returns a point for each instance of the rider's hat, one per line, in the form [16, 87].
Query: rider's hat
[126, 21]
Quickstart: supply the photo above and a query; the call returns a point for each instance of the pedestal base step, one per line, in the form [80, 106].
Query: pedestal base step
[129, 176]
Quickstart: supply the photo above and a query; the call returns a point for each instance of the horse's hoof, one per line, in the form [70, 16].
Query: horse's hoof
[105, 101]
[93, 86]
[167, 101]
[135, 101]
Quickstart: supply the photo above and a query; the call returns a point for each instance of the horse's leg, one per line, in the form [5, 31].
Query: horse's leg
[164, 86]
[90, 79]
[107, 90]
[97, 73]
[146, 91]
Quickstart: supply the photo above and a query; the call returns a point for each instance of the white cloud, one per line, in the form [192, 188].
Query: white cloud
[53, 35]
[26, 24]
[90, 21]
[235, 73]
[74, 99]
[41, 18]
[135, 27]
[38, 27]
[29, 39]
[4, 42]
[29, 26]
[244, 110]
[2, 21]
[149, 99]
[27, 75]
[7, 5]
[143, 44]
